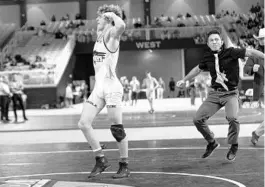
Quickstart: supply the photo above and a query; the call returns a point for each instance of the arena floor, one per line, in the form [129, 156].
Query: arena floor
[165, 149]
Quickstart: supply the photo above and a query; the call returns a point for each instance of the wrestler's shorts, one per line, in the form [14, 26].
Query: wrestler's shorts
[150, 94]
[109, 93]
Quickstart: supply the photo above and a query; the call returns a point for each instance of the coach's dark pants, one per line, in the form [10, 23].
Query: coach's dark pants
[4, 104]
[210, 106]
[18, 98]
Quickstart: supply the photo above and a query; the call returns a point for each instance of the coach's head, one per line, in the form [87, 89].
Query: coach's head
[215, 41]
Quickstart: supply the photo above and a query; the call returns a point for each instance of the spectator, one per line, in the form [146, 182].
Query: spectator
[161, 88]
[5, 95]
[59, 34]
[53, 19]
[69, 96]
[135, 87]
[172, 86]
[78, 16]
[42, 23]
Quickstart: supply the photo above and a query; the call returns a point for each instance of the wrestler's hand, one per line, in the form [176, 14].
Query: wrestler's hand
[256, 67]
[181, 83]
[109, 15]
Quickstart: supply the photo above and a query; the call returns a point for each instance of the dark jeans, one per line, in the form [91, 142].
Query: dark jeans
[18, 98]
[214, 102]
[134, 96]
[4, 103]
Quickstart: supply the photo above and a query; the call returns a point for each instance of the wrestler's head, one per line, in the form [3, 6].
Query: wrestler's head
[102, 19]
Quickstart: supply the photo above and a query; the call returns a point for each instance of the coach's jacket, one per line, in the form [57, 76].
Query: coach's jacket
[258, 85]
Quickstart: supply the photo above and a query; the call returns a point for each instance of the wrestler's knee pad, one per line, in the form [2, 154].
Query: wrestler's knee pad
[118, 132]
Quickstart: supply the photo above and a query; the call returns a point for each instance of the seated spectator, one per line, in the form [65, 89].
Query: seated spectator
[20, 59]
[59, 34]
[41, 32]
[30, 28]
[67, 17]
[123, 15]
[196, 24]
[53, 19]
[188, 15]
[42, 23]
[78, 17]
[137, 23]
[38, 58]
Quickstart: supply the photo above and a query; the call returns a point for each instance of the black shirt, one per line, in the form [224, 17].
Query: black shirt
[228, 64]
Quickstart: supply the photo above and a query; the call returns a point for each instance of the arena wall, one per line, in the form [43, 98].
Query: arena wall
[10, 14]
[175, 7]
[44, 11]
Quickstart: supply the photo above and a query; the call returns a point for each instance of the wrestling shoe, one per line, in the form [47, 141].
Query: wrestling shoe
[123, 171]
[100, 166]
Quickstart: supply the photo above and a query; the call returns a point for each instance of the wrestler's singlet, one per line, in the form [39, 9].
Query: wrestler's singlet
[107, 84]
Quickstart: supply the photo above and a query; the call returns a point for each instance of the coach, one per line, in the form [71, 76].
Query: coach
[222, 63]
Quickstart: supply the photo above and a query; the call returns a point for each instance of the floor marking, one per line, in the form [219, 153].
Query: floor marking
[135, 172]
[131, 149]
[20, 164]
[104, 135]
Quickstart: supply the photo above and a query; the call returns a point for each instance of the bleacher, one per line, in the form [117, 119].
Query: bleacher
[36, 47]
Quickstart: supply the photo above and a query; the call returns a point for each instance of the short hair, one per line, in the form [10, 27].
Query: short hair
[147, 71]
[110, 8]
[215, 31]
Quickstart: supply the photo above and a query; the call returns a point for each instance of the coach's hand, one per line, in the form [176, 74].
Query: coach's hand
[256, 67]
[181, 83]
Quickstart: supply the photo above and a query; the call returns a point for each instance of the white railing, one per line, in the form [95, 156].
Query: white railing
[63, 59]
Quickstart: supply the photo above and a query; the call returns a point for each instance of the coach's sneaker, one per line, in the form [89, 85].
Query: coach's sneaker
[210, 148]
[231, 154]
[254, 138]
[123, 171]
[101, 165]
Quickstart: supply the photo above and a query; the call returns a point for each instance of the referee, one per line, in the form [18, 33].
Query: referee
[222, 63]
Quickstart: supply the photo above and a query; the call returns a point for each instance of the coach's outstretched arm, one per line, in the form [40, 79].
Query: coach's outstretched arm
[119, 25]
[254, 53]
[193, 73]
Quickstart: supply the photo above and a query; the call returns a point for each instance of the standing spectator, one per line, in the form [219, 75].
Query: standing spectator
[161, 88]
[151, 84]
[126, 90]
[84, 90]
[135, 87]
[172, 85]
[69, 95]
[16, 87]
[192, 91]
[5, 95]
[201, 86]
